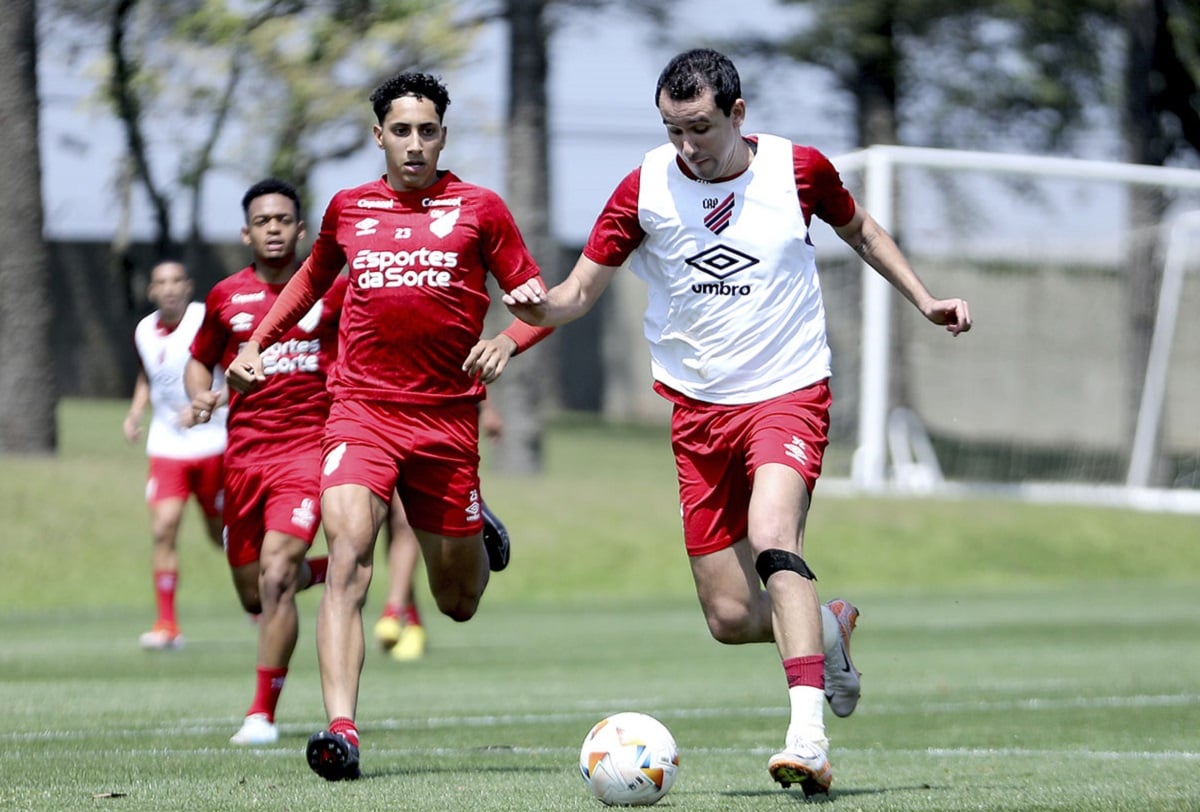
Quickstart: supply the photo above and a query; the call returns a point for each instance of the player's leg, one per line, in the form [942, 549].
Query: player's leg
[736, 607]
[441, 496]
[458, 572]
[399, 628]
[778, 508]
[208, 486]
[166, 496]
[352, 517]
[281, 564]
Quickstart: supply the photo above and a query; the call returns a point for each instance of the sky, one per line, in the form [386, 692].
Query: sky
[602, 120]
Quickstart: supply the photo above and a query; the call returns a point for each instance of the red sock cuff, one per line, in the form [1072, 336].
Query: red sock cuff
[808, 671]
[412, 617]
[344, 726]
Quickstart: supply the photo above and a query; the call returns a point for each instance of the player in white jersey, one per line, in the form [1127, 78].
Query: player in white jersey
[185, 460]
[716, 223]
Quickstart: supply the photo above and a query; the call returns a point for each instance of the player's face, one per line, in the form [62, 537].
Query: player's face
[272, 230]
[412, 139]
[170, 290]
[707, 140]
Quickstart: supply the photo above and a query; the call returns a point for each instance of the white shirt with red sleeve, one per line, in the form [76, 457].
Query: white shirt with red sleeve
[163, 354]
[286, 415]
[734, 311]
[418, 263]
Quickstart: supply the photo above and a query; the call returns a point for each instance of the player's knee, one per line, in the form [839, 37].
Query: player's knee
[729, 622]
[458, 607]
[250, 601]
[774, 560]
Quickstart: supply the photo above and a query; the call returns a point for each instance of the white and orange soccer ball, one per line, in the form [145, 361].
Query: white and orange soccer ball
[629, 759]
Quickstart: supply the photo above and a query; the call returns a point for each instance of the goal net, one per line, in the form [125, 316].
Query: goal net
[1080, 381]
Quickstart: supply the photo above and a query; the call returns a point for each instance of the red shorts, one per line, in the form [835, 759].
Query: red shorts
[430, 454]
[718, 449]
[282, 497]
[179, 479]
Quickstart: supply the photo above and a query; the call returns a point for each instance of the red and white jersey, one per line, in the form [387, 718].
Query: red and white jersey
[734, 312]
[286, 413]
[418, 263]
[163, 353]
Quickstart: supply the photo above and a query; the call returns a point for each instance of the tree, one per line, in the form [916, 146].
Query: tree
[28, 389]
[522, 392]
[270, 87]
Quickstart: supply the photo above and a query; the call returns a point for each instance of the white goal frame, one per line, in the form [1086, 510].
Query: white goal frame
[878, 165]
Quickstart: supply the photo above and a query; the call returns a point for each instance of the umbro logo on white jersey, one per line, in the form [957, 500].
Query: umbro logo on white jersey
[366, 226]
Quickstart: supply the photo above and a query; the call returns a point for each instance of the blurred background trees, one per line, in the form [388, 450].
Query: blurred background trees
[279, 87]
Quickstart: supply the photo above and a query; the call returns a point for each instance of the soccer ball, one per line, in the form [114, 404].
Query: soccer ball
[629, 759]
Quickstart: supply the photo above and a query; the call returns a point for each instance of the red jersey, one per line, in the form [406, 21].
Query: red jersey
[291, 406]
[617, 232]
[418, 263]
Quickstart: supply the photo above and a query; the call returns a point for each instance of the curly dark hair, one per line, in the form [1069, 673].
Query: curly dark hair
[270, 186]
[689, 73]
[411, 83]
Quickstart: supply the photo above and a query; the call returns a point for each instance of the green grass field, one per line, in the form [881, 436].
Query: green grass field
[1014, 657]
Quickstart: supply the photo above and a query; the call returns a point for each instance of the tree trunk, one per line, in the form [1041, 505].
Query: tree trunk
[521, 394]
[28, 386]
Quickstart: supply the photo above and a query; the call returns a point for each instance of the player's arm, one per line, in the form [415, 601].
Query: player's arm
[132, 425]
[198, 380]
[877, 248]
[573, 297]
[489, 357]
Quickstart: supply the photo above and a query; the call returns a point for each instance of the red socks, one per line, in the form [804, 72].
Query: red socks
[268, 686]
[408, 616]
[808, 671]
[344, 726]
[165, 582]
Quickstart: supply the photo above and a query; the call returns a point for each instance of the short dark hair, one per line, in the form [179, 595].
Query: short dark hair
[270, 186]
[411, 83]
[688, 74]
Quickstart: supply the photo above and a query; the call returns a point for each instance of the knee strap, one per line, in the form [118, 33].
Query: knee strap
[774, 560]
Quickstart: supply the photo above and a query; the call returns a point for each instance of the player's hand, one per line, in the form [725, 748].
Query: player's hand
[488, 358]
[491, 422]
[953, 313]
[203, 405]
[246, 371]
[527, 301]
[132, 427]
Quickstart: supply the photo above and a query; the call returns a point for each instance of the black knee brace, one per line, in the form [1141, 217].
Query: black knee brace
[772, 561]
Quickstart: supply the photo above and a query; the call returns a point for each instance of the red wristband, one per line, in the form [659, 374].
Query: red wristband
[525, 335]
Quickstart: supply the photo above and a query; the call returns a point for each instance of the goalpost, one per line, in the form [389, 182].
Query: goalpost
[1031, 403]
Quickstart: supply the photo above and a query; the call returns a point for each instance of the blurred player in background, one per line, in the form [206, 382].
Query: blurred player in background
[717, 225]
[419, 244]
[184, 461]
[399, 630]
[273, 462]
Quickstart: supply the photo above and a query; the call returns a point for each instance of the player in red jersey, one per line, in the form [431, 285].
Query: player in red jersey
[184, 460]
[716, 223]
[273, 459]
[419, 243]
